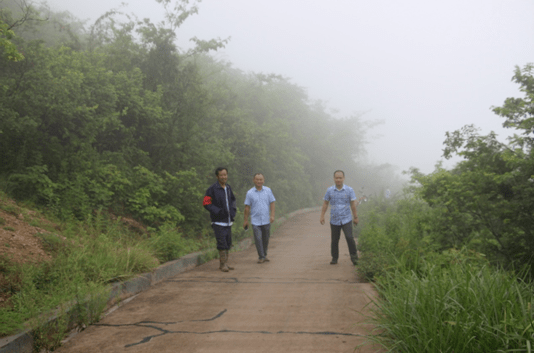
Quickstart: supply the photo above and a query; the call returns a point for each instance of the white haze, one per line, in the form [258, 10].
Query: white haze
[423, 67]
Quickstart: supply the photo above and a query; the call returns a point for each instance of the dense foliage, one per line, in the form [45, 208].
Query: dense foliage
[487, 199]
[453, 258]
[119, 118]
[116, 120]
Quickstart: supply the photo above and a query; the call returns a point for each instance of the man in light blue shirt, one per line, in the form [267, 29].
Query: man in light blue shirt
[260, 204]
[343, 203]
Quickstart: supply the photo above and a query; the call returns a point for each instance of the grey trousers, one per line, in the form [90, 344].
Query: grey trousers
[261, 239]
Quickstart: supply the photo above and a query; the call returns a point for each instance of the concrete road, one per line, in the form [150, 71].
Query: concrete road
[297, 302]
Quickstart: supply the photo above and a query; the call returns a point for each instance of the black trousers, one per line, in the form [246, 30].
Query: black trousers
[335, 239]
[223, 236]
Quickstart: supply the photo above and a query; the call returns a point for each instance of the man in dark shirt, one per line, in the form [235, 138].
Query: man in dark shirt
[221, 203]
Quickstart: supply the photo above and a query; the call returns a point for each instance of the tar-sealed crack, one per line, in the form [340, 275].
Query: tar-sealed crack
[256, 280]
[157, 326]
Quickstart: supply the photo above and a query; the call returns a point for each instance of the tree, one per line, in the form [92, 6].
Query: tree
[487, 198]
[9, 49]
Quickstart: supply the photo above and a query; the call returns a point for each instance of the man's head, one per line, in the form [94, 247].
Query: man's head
[222, 175]
[258, 180]
[339, 177]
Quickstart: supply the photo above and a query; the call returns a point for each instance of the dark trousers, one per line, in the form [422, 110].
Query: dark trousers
[223, 236]
[335, 239]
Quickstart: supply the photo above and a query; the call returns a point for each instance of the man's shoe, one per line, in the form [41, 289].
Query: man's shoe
[334, 261]
[266, 259]
[261, 260]
[354, 259]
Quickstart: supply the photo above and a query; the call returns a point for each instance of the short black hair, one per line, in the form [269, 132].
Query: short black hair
[258, 173]
[343, 174]
[219, 169]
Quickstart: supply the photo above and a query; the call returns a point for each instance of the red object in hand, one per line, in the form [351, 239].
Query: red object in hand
[207, 201]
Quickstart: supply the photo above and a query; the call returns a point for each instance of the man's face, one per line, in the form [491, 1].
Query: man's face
[222, 177]
[339, 179]
[258, 181]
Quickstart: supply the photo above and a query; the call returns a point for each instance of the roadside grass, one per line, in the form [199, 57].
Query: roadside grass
[453, 307]
[87, 257]
[83, 264]
[433, 299]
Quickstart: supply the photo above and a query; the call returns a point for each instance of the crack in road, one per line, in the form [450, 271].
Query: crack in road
[260, 281]
[158, 322]
[152, 324]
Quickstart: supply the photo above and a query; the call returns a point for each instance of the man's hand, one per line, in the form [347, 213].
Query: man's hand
[323, 210]
[356, 220]
[272, 218]
[245, 224]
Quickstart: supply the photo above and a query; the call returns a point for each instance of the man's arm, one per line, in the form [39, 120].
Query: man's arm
[207, 203]
[323, 210]
[246, 212]
[232, 205]
[272, 212]
[354, 211]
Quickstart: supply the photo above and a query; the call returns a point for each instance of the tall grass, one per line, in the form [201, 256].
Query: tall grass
[435, 299]
[87, 258]
[458, 307]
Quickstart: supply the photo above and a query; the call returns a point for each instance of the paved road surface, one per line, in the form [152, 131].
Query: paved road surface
[297, 302]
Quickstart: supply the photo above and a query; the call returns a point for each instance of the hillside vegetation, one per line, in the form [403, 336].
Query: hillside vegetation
[452, 258]
[110, 135]
[111, 125]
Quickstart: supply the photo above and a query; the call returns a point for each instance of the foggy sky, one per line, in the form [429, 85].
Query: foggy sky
[423, 67]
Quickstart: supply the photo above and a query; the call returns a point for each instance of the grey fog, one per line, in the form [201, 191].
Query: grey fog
[420, 67]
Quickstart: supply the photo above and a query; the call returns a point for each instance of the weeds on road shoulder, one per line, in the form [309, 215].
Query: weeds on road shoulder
[168, 244]
[86, 257]
[85, 260]
[461, 307]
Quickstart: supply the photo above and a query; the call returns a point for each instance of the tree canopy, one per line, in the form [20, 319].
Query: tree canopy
[118, 117]
[487, 199]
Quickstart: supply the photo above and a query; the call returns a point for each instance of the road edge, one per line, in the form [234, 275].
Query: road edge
[122, 292]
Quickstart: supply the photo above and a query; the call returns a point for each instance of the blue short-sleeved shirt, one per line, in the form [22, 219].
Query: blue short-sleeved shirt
[259, 201]
[340, 204]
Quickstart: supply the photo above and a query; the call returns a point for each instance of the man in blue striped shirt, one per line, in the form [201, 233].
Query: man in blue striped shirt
[343, 203]
[260, 203]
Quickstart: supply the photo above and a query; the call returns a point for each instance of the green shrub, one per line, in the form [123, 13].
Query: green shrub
[372, 265]
[50, 242]
[33, 185]
[168, 244]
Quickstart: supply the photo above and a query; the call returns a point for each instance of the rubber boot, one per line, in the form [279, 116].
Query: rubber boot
[223, 261]
[226, 261]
